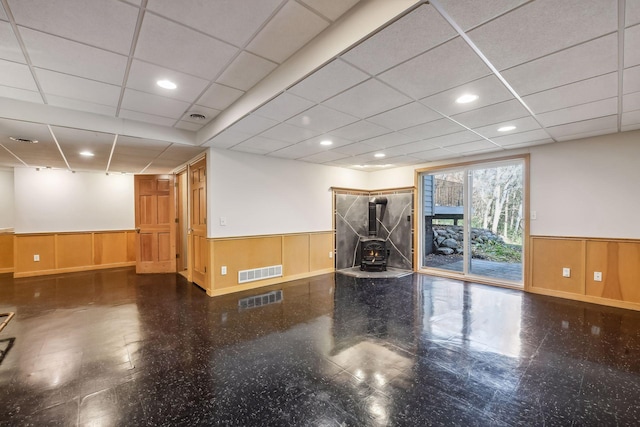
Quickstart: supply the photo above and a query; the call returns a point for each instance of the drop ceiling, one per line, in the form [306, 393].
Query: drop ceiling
[79, 75]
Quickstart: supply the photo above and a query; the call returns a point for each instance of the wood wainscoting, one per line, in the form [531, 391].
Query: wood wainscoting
[618, 260]
[72, 251]
[301, 255]
[6, 253]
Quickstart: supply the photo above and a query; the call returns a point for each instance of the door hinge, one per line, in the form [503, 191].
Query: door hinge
[205, 269]
[177, 256]
[177, 221]
[205, 220]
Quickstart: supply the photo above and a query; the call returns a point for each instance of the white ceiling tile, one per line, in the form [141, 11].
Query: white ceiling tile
[445, 141]
[631, 102]
[360, 130]
[9, 48]
[584, 126]
[283, 107]
[469, 147]
[468, 14]
[260, 145]
[529, 144]
[108, 25]
[133, 154]
[74, 141]
[442, 68]
[630, 118]
[389, 140]
[631, 80]
[408, 149]
[626, 128]
[405, 116]
[435, 154]
[144, 77]
[193, 127]
[16, 75]
[230, 20]
[496, 113]
[253, 124]
[219, 96]
[411, 35]
[153, 104]
[328, 81]
[632, 46]
[522, 125]
[58, 54]
[75, 104]
[542, 27]
[581, 92]
[290, 133]
[227, 138]
[78, 88]
[590, 59]
[296, 151]
[173, 157]
[355, 149]
[632, 13]
[208, 113]
[337, 141]
[488, 89]
[291, 28]
[43, 153]
[395, 161]
[21, 94]
[322, 119]
[3, 15]
[173, 46]
[245, 71]
[588, 134]
[146, 118]
[521, 137]
[433, 129]
[592, 110]
[332, 9]
[367, 99]
[324, 157]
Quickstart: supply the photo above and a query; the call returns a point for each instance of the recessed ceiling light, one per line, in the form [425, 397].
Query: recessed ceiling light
[466, 98]
[87, 153]
[25, 140]
[506, 128]
[166, 84]
[326, 142]
[379, 155]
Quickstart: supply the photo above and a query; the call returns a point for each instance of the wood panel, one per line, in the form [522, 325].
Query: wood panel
[295, 254]
[28, 246]
[619, 263]
[110, 248]
[320, 245]
[244, 254]
[131, 246]
[74, 250]
[550, 256]
[6, 252]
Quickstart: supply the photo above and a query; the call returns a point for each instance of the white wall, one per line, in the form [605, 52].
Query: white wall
[262, 195]
[57, 200]
[6, 199]
[582, 188]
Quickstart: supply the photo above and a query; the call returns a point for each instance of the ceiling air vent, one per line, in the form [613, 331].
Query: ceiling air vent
[25, 140]
[197, 116]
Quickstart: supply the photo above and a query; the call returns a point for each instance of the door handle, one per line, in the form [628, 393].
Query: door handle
[138, 230]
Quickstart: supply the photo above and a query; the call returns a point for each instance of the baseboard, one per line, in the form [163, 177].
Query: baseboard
[6, 270]
[72, 269]
[585, 298]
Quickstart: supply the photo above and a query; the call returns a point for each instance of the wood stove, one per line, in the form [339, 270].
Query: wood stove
[373, 250]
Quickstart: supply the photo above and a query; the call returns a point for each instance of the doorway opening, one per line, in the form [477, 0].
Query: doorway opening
[473, 221]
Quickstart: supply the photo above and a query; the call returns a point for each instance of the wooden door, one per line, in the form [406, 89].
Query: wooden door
[155, 224]
[198, 221]
[183, 222]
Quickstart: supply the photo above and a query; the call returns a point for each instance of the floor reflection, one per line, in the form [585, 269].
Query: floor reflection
[114, 348]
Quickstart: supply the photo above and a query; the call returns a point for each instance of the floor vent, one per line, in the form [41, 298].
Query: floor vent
[260, 300]
[245, 276]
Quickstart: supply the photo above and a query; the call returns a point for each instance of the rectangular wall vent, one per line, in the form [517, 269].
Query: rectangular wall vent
[260, 300]
[252, 275]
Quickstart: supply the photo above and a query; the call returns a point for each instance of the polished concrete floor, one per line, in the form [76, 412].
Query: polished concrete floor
[114, 348]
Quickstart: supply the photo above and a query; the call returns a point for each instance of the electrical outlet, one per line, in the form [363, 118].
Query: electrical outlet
[597, 276]
[330, 254]
[534, 215]
[223, 220]
[566, 272]
[36, 258]
[223, 270]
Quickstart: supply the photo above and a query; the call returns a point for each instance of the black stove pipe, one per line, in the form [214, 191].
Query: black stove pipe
[373, 221]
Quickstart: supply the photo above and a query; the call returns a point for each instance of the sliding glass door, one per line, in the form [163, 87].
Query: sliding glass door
[474, 221]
